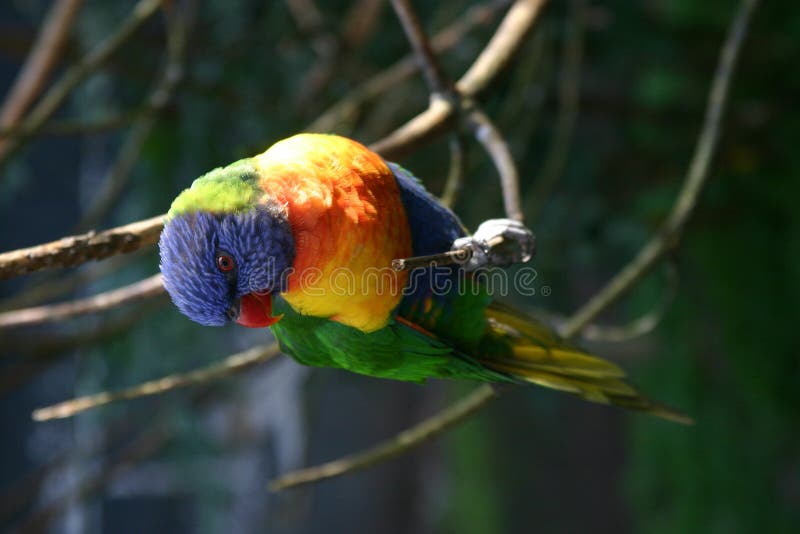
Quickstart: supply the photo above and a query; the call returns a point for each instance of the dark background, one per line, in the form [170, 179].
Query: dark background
[199, 460]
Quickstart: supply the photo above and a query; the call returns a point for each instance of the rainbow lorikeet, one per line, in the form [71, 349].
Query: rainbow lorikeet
[301, 239]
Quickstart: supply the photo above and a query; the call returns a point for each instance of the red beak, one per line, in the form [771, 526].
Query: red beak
[255, 311]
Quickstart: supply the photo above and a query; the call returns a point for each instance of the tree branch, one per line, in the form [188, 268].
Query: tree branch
[230, 365]
[569, 103]
[177, 29]
[641, 325]
[76, 126]
[40, 289]
[506, 40]
[495, 145]
[669, 234]
[78, 249]
[141, 290]
[684, 205]
[75, 75]
[479, 123]
[407, 439]
[455, 174]
[428, 64]
[41, 60]
[46, 348]
[403, 68]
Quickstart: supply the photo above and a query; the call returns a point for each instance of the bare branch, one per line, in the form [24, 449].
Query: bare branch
[501, 48]
[568, 101]
[325, 43]
[404, 441]
[492, 141]
[480, 124]
[497, 54]
[642, 325]
[431, 69]
[404, 68]
[74, 126]
[230, 365]
[142, 290]
[455, 176]
[74, 250]
[360, 22]
[621, 283]
[669, 234]
[51, 286]
[408, 137]
[41, 60]
[46, 348]
[306, 15]
[75, 75]
[177, 30]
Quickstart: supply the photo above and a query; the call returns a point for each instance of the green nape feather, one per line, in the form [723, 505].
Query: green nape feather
[230, 189]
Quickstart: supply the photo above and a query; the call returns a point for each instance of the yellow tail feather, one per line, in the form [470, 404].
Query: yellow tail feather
[540, 357]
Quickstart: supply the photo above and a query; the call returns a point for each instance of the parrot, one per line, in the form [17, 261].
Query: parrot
[301, 238]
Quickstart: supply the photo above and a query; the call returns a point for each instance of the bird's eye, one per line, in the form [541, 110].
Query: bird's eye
[225, 263]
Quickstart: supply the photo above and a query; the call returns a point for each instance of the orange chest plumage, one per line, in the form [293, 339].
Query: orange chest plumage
[348, 223]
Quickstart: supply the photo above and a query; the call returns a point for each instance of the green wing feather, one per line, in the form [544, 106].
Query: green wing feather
[398, 351]
[512, 348]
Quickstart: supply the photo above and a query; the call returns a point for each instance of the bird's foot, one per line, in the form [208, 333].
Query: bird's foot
[497, 243]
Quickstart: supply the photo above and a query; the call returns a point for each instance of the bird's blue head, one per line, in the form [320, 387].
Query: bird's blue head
[224, 266]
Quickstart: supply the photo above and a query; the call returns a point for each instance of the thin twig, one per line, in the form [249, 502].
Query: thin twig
[495, 57]
[138, 291]
[42, 58]
[47, 348]
[361, 21]
[568, 100]
[178, 27]
[479, 123]
[58, 93]
[78, 249]
[684, 205]
[403, 68]
[455, 174]
[407, 439]
[669, 235]
[501, 48]
[325, 44]
[641, 325]
[50, 286]
[230, 365]
[495, 145]
[431, 69]
[75, 126]
[307, 15]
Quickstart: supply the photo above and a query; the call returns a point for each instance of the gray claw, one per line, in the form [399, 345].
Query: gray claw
[497, 243]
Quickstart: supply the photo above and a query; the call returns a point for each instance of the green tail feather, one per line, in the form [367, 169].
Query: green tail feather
[534, 354]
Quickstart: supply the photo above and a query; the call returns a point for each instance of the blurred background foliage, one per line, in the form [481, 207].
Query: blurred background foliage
[601, 108]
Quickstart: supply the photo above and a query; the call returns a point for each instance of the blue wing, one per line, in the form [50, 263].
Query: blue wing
[444, 300]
